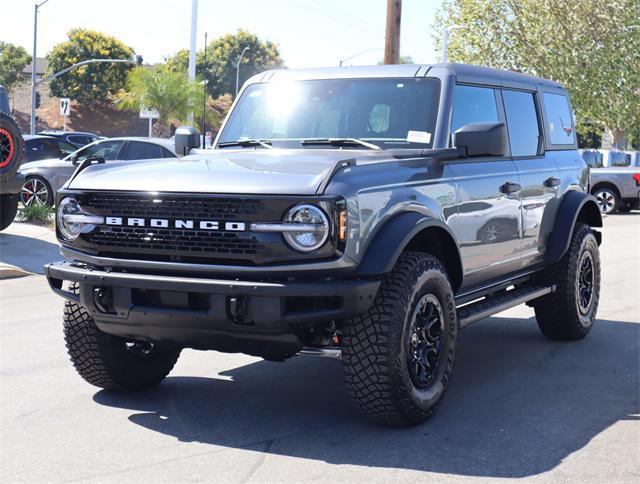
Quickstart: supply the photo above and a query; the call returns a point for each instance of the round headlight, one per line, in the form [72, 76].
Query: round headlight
[316, 228]
[69, 230]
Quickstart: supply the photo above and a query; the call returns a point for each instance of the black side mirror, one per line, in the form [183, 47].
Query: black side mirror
[186, 138]
[482, 139]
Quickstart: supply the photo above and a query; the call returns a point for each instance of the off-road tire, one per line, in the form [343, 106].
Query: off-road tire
[104, 360]
[558, 314]
[11, 147]
[374, 354]
[8, 209]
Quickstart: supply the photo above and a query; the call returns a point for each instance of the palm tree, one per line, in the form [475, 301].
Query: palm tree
[168, 92]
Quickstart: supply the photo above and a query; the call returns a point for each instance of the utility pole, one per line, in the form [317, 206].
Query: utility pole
[32, 128]
[204, 94]
[392, 39]
[192, 46]
[446, 33]
[238, 69]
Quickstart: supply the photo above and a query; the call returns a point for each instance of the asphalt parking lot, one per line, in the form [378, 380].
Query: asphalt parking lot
[519, 406]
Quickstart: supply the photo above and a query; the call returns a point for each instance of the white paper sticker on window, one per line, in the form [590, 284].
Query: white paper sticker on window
[418, 137]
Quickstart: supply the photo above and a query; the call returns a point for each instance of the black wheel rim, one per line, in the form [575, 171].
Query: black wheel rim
[424, 341]
[586, 277]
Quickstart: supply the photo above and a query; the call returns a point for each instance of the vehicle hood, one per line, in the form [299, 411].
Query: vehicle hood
[250, 171]
[48, 163]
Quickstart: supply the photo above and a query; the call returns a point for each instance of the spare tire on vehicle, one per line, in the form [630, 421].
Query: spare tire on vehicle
[11, 147]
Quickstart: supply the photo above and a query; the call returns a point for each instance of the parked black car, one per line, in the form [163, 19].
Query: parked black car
[39, 147]
[75, 138]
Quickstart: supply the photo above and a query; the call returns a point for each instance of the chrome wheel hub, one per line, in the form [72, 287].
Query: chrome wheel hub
[606, 200]
[34, 192]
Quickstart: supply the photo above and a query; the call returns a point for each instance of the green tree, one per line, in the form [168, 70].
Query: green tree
[592, 47]
[222, 56]
[93, 83]
[13, 59]
[167, 91]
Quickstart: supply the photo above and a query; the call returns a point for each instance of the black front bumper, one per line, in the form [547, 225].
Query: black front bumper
[227, 315]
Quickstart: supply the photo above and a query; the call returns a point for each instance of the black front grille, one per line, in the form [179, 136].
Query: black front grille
[176, 207]
[172, 240]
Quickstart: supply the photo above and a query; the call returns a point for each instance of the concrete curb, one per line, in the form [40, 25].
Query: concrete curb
[7, 271]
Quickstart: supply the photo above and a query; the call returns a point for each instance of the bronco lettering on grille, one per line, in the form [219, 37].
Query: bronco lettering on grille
[177, 223]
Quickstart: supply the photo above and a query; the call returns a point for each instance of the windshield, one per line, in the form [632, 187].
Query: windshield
[103, 149]
[391, 113]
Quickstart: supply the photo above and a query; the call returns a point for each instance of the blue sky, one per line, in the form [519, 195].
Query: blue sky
[309, 33]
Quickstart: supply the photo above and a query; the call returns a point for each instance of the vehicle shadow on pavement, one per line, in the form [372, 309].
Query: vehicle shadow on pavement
[27, 253]
[518, 405]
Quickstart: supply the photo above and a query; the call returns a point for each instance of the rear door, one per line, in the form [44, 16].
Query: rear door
[487, 225]
[538, 172]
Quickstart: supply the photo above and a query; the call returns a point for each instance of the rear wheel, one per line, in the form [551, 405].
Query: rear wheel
[110, 362]
[569, 312]
[8, 209]
[36, 191]
[398, 357]
[608, 200]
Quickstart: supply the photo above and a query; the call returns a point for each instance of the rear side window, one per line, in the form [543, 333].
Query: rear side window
[522, 122]
[166, 153]
[559, 119]
[80, 140]
[473, 105]
[142, 151]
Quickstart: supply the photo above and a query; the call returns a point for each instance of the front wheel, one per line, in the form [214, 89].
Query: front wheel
[110, 362]
[398, 357]
[569, 312]
[36, 191]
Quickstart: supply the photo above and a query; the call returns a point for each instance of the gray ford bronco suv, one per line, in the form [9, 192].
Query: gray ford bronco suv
[363, 213]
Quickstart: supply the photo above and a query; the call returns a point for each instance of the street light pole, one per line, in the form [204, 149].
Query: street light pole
[238, 69]
[32, 128]
[192, 46]
[445, 39]
[204, 94]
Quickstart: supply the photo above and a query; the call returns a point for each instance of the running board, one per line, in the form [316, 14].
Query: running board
[496, 303]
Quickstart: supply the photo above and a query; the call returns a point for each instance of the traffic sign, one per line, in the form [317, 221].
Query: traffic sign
[65, 106]
[149, 113]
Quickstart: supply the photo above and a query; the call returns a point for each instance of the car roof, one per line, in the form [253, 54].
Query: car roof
[54, 132]
[28, 137]
[463, 72]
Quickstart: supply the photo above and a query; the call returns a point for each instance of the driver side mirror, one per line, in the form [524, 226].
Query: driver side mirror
[482, 139]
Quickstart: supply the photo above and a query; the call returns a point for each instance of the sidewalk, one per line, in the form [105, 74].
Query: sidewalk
[25, 248]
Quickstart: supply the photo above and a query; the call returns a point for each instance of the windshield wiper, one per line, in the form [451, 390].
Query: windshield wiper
[265, 143]
[339, 142]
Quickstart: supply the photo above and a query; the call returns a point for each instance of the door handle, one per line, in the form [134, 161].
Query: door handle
[551, 182]
[509, 187]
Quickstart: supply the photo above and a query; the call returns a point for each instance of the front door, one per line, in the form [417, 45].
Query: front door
[488, 223]
[538, 172]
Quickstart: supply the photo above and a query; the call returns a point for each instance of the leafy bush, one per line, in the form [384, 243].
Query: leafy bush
[37, 213]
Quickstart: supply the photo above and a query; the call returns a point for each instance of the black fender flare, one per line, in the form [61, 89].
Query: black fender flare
[574, 204]
[392, 239]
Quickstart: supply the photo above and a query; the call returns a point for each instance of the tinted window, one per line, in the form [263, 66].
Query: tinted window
[66, 148]
[80, 140]
[522, 122]
[39, 149]
[618, 158]
[473, 105]
[166, 153]
[559, 119]
[106, 149]
[142, 151]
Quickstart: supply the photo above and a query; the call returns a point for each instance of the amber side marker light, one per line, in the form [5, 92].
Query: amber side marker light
[342, 226]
